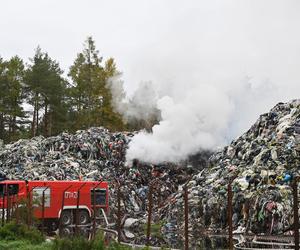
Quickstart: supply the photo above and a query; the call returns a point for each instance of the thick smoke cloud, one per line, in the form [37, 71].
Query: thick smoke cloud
[210, 66]
[142, 105]
[192, 118]
[215, 67]
[185, 127]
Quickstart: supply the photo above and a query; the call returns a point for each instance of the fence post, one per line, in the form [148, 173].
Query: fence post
[149, 212]
[296, 215]
[28, 209]
[94, 213]
[186, 218]
[17, 210]
[229, 208]
[158, 191]
[119, 212]
[43, 209]
[7, 205]
[3, 205]
[77, 209]
[94, 208]
[62, 209]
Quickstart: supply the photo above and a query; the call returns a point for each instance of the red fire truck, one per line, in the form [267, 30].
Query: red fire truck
[57, 201]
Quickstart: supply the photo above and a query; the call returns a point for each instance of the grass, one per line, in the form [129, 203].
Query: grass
[155, 228]
[24, 245]
[19, 237]
[60, 244]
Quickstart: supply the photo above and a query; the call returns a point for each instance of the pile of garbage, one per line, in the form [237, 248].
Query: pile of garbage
[261, 164]
[88, 153]
[97, 154]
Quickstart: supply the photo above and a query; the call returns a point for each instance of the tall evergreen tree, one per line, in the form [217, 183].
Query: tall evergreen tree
[2, 98]
[91, 99]
[16, 95]
[12, 98]
[46, 88]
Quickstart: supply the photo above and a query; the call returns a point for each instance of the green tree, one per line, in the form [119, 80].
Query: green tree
[47, 89]
[12, 97]
[90, 97]
[3, 87]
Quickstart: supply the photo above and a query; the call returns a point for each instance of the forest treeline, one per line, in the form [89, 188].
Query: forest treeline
[36, 99]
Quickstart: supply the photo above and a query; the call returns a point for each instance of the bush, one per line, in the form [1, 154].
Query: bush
[75, 243]
[23, 245]
[79, 243]
[13, 231]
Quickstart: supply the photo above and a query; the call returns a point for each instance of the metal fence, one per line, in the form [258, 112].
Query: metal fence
[22, 212]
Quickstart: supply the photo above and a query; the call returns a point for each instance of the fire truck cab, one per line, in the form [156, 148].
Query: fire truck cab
[57, 201]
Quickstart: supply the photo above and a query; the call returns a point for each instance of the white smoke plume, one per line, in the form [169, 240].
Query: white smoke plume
[193, 56]
[186, 126]
[142, 105]
[192, 118]
[215, 66]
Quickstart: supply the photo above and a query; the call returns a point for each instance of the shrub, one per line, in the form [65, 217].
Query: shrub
[79, 243]
[23, 245]
[74, 243]
[13, 231]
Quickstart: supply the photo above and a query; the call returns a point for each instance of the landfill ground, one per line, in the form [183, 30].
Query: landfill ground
[260, 165]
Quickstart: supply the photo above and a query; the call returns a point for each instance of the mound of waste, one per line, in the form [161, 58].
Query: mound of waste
[263, 162]
[97, 154]
[87, 153]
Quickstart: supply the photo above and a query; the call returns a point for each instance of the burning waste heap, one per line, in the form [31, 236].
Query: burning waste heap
[262, 162]
[96, 154]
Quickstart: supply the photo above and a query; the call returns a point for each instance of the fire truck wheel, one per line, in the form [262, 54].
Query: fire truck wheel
[66, 231]
[52, 226]
[84, 217]
[66, 217]
[84, 231]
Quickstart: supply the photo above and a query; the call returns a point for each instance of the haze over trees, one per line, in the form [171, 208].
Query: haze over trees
[36, 98]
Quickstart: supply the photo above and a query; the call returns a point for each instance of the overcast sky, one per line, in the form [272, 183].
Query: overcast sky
[164, 41]
[213, 66]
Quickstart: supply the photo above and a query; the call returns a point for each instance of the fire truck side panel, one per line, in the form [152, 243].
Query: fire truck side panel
[56, 194]
[70, 191]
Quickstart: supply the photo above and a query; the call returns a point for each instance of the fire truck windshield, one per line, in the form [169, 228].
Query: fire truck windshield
[13, 189]
[1, 190]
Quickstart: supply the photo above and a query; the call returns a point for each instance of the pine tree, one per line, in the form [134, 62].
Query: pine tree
[91, 98]
[2, 99]
[13, 116]
[46, 88]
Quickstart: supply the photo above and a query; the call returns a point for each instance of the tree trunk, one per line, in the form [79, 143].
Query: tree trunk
[9, 128]
[1, 126]
[46, 131]
[37, 118]
[14, 120]
[50, 123]
[33, 121]
[14, 126]
[34, 117]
